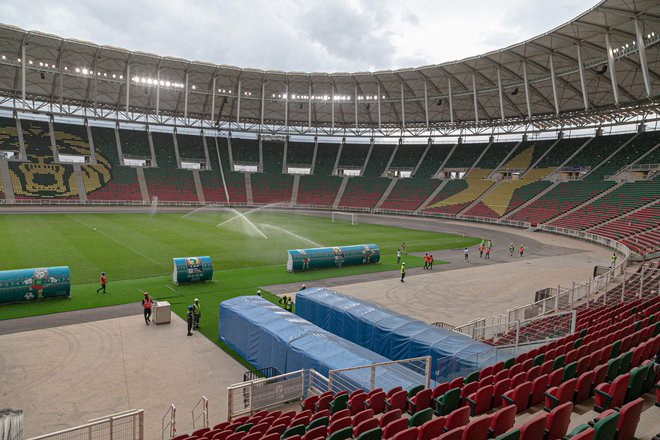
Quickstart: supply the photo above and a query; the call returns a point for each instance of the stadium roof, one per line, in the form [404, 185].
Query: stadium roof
[600, 66]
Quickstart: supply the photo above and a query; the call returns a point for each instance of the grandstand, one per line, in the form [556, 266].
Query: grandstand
[555, 135]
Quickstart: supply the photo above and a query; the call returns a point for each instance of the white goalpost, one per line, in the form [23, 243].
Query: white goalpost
[345, 217]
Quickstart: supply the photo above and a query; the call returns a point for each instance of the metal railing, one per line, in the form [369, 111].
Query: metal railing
[126, 425]
[261, 373]
[410, 370]
[168, 423]
[255, 395]
[203, 405]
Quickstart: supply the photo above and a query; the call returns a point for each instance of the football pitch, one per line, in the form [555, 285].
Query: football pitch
[136, 250]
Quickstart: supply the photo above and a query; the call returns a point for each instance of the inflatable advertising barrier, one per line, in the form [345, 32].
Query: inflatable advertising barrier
[192, 269]
[38, 283]
[317, 258]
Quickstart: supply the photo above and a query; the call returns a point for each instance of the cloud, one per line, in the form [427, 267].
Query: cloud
[298, 35]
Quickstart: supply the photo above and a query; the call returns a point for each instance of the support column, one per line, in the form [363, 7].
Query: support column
[474, 95]
[403, 110]
[53, 144]
[185, 99]
[451, 103]
[238, 104]
[286, 152]
[263, 102]
[641, 47]
[527, 97]
[154, 162]
[120, 154]
[426, 104]
[21, 142]
[128, 87]
[355, 95]
[554, 83]
[158, 93]
[90, 140]
[206, 151]
[177, 155]
[212, 106]
[610, 64]
[379, 106]
[316, 149]
[583, 83]
[309, 106]
[332, 108]
[23, 72]
[500, 93]
[286, 108]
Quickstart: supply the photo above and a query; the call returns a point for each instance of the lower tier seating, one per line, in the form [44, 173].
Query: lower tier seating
[560, 199]
[477, 184]
[409, 194]
[214, 190]
[170, 185]
[236, 187]
[122, 186]
[363, 192]
[271, 188]
[451, 187]
[318, 190]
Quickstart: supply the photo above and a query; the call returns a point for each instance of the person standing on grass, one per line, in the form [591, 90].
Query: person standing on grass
[197, 313]
[467, 255]
[481, 250]
[147, 303]
[403, 271]
[103, 282]
[403, 248]
[431, 261]
[189, 319]
[398, 256]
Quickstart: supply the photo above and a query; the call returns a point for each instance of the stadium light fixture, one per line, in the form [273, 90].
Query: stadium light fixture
[121, 76]
[193, 87]
[30, 62]
[4, 57]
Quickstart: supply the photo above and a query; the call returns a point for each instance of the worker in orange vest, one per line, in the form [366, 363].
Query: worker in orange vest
[103, 282]
[522, 249]
[147, 303]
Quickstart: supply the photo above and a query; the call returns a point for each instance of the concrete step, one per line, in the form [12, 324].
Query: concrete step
[248, 189]
[294, 191]
[198, 187]
[340, 193]
[143, 185]
[80, 184]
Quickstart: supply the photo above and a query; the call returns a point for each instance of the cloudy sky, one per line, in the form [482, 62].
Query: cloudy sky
[299, 35]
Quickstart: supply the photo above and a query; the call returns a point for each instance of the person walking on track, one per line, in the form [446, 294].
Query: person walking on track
[103, 282]
[466, 252]
[403, 271]
[189, 319]
[147, 303]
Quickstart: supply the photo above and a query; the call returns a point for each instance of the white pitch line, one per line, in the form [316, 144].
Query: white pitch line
[173, 290]
[146, 257]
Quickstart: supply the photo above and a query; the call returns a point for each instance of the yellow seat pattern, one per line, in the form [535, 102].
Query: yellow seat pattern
[476, 186]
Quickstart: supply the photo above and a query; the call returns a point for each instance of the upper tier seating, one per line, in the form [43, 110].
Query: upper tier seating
[271, 188]
[353, 155]
[628, 154]
[325, 158]
[560, 199]
[624, 199]
[8, 135]
[432, 161]
[407, 155]
[273, 153]
[299, 153]
[318, 190]
[191, 146]
[71, 139]
[409, 194]
[560, 152]
[465, 155]
[245, 150]
[363, 192]
[134, 143]
[496, 154]
[36, 137]
[380, 155]
[597, 150]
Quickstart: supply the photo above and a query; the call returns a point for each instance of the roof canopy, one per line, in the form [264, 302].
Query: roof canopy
[604, 62]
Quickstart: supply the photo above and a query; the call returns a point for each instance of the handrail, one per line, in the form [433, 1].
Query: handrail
[171, 424]
[204, 414]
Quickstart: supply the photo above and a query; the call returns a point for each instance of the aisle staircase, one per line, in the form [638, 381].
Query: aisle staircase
[342, 188]
[294, 190]
[143, 185]
[532, 200]
[441, 185]
[5, 180]
[82, 194]
[386, 194]
[248, 189]
[198, 187]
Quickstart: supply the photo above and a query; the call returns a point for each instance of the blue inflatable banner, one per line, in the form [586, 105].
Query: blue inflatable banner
[317, 258]
[38, 283]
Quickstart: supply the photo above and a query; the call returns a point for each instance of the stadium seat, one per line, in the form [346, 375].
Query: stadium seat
[339, 425]
[582, 432]
[362, 416]
[340, 415]
[421, 417]
[294, 430]
[539, 386]
[339, 403]
[320, 432]
[605, 427]
[376, 402]
[480, 401]
[431, 429]
[357, 403]
[454, 434]
[629, 416]
[534, 428]
[611, 395]
[309, 403]
[394, 427]
[420, 401]
[389, 417]
[320, 421]
[518, 396]
[372, 434]
[448, 402]
[407, 434]
[365, 426]
[397, 400]
[514, 434]
[342, 434]
[558, 420]
[555, 396]
[458, 417]
[477, 429]
[502, 421]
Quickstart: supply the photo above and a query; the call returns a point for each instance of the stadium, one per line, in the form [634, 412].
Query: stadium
[465, 250]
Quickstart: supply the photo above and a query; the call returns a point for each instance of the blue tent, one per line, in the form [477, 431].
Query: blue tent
[268, 336]
[393, 335]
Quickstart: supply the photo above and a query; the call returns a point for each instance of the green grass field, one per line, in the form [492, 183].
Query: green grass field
[136, 251]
